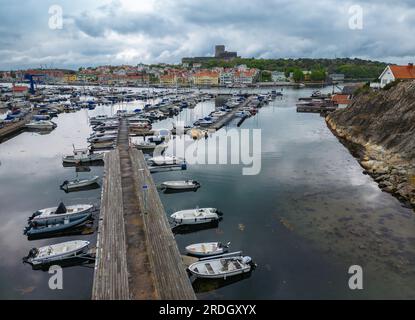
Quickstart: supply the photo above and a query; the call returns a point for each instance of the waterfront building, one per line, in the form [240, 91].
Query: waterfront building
[278, 76]
[248, 76]
[394, 72]
[20, 91]
[226, 77]
[168, 80]
[206, 78]
[336, 77]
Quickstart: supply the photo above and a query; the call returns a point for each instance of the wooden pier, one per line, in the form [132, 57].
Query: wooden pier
[229, 116]
[137, 256]
[12, 129]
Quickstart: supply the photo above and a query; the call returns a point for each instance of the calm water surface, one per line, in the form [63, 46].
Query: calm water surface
[307, 217]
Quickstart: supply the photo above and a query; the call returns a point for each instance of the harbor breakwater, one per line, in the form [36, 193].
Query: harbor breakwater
[379, 130]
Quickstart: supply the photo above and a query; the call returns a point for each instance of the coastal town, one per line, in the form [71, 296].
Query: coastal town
[191, 72]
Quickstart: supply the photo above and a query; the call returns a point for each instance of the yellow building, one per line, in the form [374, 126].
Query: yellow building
[206, 78]
[168, 80]
[70, 77]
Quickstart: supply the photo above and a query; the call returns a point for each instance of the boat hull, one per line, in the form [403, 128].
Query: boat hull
[54, 229]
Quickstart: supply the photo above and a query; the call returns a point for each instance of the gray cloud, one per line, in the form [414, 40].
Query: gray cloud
[99, 32]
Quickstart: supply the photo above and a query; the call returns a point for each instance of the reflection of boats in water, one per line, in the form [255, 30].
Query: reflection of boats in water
[184, 229]
[208, 285]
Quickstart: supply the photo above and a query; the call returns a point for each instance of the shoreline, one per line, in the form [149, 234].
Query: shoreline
[392, 173]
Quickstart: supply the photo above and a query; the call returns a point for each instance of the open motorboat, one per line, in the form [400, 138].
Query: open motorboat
[69, 185]
[56, 252]
[60, 213]
[149, 146]
[165, 160]
[195, 216]
[82, 156]
[41, 125]
[181, 185]
[101, 118]
[222, 267]
[207, 249]
[36, 230]
[103, 138]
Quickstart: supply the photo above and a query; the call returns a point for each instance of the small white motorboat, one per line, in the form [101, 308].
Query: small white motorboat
[195, 216]
[181, 185]
[61, 212]
[222, 267]
[148, 146]
[69, 185]
[165, 160]
[107, 138]
[207, 249]
[82, 156]
[56, 252]
[41, 125]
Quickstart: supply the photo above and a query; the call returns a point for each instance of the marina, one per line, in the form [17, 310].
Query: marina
[291, 200]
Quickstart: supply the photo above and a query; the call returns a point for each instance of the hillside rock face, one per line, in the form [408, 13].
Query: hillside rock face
[379, 129]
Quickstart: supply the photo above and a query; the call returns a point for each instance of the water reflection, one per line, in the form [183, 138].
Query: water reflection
[305, 218]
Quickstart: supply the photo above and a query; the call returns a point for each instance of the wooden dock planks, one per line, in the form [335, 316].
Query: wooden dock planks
[171, 279]
[137, 255]
[111, 274]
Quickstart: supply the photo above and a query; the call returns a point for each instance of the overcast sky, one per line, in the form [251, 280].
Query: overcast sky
[97, 32]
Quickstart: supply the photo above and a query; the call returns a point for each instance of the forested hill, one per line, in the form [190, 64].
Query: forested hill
[351, 68]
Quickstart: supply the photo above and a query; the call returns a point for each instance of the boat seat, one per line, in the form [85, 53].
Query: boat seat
[209, 268]
[225, 265]
[237, 265]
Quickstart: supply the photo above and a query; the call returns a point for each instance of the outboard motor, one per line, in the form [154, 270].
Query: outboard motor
[35, 214]
[247, 260]
[64, 184]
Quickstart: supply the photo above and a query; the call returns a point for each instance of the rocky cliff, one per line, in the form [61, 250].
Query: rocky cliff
[379, 129]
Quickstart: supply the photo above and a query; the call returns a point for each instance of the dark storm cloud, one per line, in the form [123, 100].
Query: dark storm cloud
[121, 31]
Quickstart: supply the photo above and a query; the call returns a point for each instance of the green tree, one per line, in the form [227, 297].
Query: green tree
[298, 75]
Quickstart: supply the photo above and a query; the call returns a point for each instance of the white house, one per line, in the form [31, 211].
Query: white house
[392, 73]
[278, 76]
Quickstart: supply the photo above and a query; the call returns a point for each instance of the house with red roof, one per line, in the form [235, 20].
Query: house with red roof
[20, 90]
[394, 72]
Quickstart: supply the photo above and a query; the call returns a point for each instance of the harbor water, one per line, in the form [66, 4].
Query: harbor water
[306, 217]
